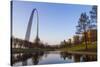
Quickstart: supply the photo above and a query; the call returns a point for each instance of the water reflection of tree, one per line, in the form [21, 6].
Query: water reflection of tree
[78, 57]
[20, 57]
[89, 58]
[24, 63]
[46, 54]
[16, 57]
[65, 55]
[36, 57]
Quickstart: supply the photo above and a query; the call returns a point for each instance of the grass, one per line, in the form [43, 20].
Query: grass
[82, 47]
[28, 50]
[76, 48]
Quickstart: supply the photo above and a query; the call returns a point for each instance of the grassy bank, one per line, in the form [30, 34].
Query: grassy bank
[29, 50]
[82, 48]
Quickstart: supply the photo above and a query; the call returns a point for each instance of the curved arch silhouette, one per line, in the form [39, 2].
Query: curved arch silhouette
[28, 32]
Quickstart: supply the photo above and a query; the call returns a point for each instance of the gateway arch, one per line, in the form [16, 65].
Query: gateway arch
[28, 32]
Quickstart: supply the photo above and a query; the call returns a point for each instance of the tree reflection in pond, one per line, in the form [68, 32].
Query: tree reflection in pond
[49, 57]
[36, 57]
[78, 57]
[22, 57]
[65, 55]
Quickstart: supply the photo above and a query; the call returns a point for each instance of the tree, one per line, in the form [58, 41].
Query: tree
[93, 18]
[82, 26]
[93, 22]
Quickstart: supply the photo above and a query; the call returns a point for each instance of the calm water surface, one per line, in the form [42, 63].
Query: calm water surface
[50, 57]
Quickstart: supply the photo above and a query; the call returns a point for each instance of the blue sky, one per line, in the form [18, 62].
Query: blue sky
[56, 21]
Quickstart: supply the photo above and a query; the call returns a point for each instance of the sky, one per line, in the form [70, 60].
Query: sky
[57, 22]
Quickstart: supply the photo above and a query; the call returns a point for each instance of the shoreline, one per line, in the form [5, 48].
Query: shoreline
[44, 50]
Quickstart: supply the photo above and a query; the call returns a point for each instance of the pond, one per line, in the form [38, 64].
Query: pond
[48, 57]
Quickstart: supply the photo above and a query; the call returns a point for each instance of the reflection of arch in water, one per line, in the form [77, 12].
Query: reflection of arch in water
[27, 36]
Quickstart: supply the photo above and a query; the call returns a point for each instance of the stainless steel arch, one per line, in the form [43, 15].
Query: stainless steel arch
[28, 32]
